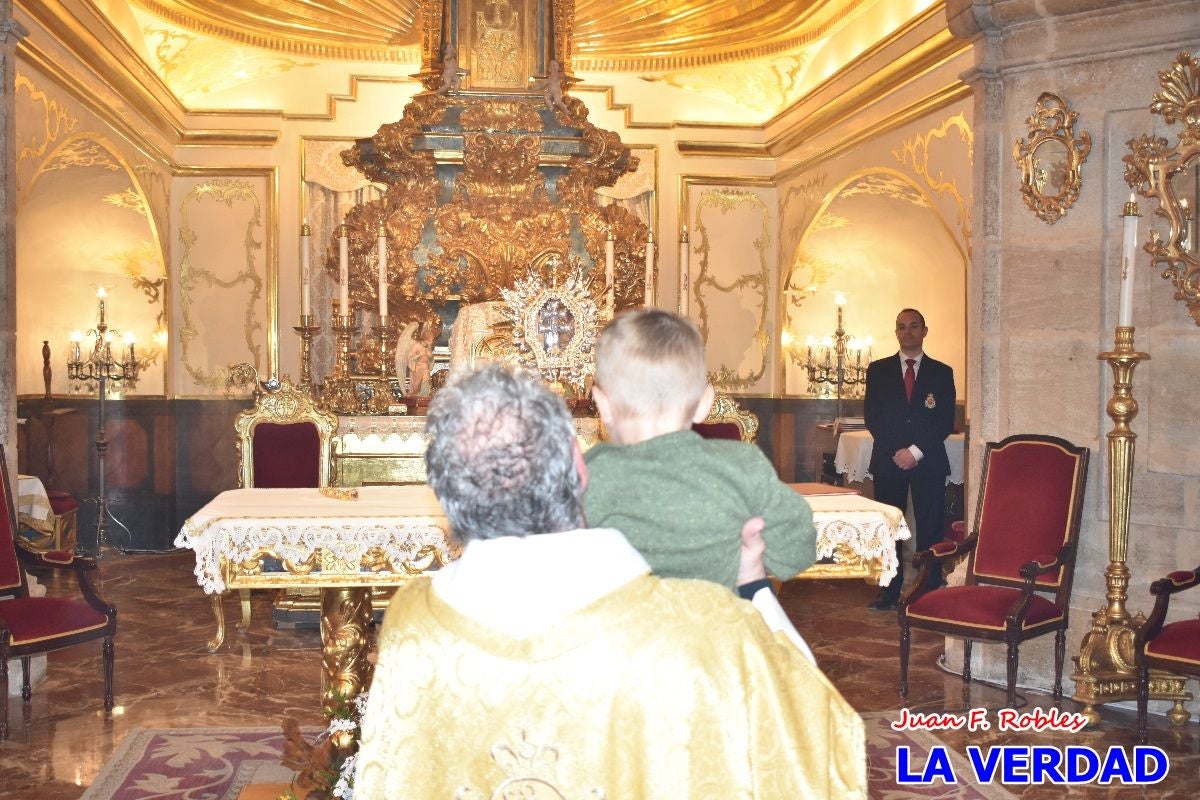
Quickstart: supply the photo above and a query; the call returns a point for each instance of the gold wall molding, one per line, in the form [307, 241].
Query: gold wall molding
[57, 121]
[727, 195]
[914, 152]
[934, 101]
[191, 276]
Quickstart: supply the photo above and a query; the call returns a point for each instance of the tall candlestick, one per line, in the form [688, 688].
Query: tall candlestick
[381, 246]
[648, 300]
[1128, 254]
[343, 272]
[305, 270]
[610, 246]
[683, 272]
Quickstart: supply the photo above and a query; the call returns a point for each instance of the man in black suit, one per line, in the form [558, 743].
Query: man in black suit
[909, 409]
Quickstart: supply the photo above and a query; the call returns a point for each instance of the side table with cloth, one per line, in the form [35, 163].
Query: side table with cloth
[285, 538]
[853, 457]
[858, 534]
[51, 514]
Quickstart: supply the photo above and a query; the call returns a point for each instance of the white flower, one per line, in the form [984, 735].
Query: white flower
[342, 788]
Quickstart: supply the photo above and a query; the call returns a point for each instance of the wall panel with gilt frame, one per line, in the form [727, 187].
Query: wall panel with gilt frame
[733, 253]
[225, 270]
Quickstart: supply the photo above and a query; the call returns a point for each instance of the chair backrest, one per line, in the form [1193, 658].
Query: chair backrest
[284, 442]
[1030, 503]
[728, 420]
[12, 577]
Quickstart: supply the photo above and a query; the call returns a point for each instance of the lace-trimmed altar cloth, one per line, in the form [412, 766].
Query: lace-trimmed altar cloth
[867, 527]
[853, 457]
[392, 522]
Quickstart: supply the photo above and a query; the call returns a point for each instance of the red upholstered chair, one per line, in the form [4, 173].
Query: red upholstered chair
[727, 420]
[1021, 557]
[33, 625]
[284, 442]
[1174, 647]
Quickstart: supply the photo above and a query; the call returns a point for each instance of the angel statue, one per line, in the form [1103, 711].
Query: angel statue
[552, 87]
[452, 74]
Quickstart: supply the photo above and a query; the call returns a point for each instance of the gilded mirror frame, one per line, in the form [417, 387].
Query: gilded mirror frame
[1151, 170]
[1051, 122]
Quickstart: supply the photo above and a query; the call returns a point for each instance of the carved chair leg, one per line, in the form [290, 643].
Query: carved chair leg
[1060, 652]
[1012, 672]
[26, 689]
[108, 674]
[1143, 699]
[244, 594]
[905, 644]
[214, 644]
[967, 643]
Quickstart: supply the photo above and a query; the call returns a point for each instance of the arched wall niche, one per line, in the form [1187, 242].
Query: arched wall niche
[879, 239]
[84, 221]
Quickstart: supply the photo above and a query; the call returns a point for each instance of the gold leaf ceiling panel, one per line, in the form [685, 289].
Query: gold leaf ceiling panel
[610, 35]
[365, 30]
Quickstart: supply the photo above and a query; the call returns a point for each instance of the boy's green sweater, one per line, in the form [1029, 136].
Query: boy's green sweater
[681, 500]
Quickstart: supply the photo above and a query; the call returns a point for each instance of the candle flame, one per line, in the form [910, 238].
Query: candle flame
[100, 292]
[839, 299]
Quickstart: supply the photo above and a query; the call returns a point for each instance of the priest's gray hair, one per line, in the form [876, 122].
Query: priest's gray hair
[501, 457]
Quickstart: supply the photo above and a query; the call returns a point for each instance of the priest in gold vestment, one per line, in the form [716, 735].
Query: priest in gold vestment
[548, 663]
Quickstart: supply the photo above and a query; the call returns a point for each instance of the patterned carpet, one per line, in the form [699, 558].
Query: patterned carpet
[217, 763]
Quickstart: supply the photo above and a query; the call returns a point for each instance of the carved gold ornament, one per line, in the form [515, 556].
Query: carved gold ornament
[1050, 162]
[554, 328]
[1170, 173]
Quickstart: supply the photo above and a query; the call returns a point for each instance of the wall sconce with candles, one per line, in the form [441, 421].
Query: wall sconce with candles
[836, 366]
[101, 367]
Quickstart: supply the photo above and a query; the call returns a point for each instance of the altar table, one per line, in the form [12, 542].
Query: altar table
[853, 458]
[287, 538]
[856, 537]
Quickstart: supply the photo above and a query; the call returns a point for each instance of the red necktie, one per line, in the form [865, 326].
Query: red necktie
[910, 377]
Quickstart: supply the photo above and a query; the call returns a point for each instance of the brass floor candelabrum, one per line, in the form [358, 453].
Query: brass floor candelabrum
[102, 368]
[1104, 668]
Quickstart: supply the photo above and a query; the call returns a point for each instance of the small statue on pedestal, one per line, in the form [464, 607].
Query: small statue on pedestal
[452, 74]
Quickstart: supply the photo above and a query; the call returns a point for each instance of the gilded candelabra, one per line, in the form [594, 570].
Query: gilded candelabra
[338, 393]
[1105, 665]
[308, 332]
[842, 365]
[101, 367]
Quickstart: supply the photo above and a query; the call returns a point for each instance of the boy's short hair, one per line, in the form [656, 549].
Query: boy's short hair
[650, 363]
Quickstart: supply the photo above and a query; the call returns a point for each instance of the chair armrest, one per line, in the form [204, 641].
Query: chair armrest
[944, 550]
[54, 559]
[1176, 582]
[1163, 588]
[1041, 565]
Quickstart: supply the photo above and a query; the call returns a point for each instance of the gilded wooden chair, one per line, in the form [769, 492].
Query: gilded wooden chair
[284, 442]
[727, 420]
[1021, 557]
[1173, 647]
[33, 625]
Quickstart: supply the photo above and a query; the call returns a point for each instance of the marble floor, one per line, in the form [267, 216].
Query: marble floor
[166, 678]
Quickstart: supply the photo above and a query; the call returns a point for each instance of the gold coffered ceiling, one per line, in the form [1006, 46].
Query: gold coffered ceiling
[611, 35]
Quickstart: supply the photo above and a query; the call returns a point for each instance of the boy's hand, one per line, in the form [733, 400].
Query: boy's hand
[751, 567]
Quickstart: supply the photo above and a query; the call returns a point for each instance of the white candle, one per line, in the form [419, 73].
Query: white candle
[648, 300]
[1128, 254]
[101, 294]
[343, 273]
[683, 272]
[305, 270]
[76, 338]
[610, 272]
[381, 245]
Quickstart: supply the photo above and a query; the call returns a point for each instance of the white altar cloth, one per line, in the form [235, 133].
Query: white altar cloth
[853, 458]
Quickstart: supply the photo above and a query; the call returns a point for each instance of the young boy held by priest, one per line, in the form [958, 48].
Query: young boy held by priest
[679, 498]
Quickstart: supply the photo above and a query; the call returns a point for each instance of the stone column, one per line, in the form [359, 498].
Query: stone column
[11, 32]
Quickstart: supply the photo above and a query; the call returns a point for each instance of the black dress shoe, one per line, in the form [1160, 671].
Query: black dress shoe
[883, 603]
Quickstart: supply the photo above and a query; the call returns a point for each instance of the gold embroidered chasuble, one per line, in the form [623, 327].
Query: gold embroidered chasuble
[661, 689]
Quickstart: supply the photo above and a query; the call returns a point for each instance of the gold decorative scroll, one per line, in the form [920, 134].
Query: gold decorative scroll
[757, 281]
[1050, 162]
[1152, 169]
[915, 153]
[246, 279]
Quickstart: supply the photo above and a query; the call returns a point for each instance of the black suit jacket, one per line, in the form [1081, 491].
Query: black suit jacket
[925, 420]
